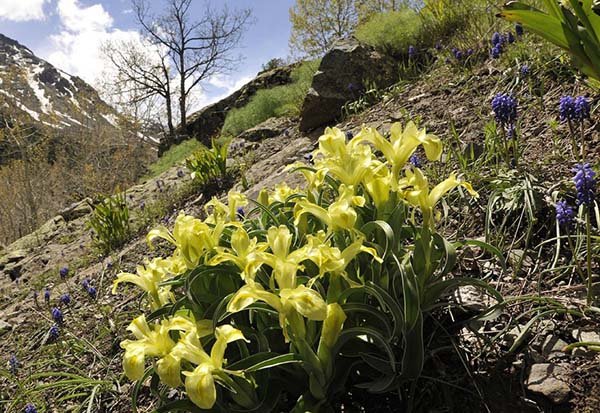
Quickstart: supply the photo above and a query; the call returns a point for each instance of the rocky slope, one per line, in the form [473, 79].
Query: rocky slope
[539, 377]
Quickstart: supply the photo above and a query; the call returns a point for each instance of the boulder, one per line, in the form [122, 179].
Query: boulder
[207, 122]
[267, 129]
[550, 381]
[76, 210]
[343, 75]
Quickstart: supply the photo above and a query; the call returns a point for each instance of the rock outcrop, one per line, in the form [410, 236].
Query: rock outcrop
[345, 71]
[207, 122]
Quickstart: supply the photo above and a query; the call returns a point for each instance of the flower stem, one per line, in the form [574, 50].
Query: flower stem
[588, 229]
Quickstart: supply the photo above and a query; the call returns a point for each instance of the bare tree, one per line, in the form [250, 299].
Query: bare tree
[142, 75]
[197, 48]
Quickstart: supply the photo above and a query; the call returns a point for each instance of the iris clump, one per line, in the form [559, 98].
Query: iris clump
[57, 315]
[564, 214]
[585, 184]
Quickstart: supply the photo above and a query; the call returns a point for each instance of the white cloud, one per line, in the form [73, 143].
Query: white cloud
[76, 48]
[22, 10]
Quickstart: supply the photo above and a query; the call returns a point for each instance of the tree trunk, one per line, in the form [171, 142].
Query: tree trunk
[182, 94]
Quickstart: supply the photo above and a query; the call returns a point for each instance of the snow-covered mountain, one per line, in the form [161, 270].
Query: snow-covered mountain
[36, 92]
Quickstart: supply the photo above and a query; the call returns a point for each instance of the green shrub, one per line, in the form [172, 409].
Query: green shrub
[391, 32]
[278, 101]
[173, 156]
[207, 164]
[110, 223]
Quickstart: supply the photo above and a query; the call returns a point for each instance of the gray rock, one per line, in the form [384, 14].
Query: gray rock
[342, 77]
[76, 210]
[549, 380]
[472, 299]
[267, 129]
[552, 347]
[586, 336]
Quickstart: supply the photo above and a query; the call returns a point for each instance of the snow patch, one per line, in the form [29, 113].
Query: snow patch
[39, 92]
[112, 119]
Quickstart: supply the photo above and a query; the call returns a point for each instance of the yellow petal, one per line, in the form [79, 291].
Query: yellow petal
[224, 334]
[332, 326]
[200, 386]
[306, 301]
[133, 360]
[169, 370]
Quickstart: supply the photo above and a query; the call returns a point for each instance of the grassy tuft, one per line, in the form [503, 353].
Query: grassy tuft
[175, 154]
[391, 32]
[278, 101]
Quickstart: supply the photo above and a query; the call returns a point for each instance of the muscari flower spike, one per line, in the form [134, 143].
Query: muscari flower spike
[438, 46]
[496, 52]
[92, 292]
[497, 39]
[519, 29]
[57, 315]
[411, 51]
[564, 214]
[239, 212]
[510, 37]
[30, 408]
[47, 295]
[64, 271]
[415, 160]
[582, 108]
[13, 364]
[65, 299]
[585, 184]
[566, 108]
[505, 108]
[54, 333]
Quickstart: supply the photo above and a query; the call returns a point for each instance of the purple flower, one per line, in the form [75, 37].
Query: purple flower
[525, 70]
[54, 333]
[566, 108]
[412, 51]
[469, 52]
[142, 205]
[585, 184]
[564, 214]
[519, 29]
[47, 295]
[438, 46]
[85, 283]
[510, 37]
[64, 271]
[30, 408]
[496, 52]
[57, 315]
[459, 55]
[415, 160]
[505, 108]
[13, 364]
[240, 213]
[92, 292]
[349, 135]
[582, 108]
[65, 299]
[497, 39]
[309, 158]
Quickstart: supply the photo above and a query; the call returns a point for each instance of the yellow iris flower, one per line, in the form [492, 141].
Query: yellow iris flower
[225, 212]
[245, 253]
[415, 189]
[200, 383]
[153, 342]
[191, 236]
[402, 144]
[339, 215]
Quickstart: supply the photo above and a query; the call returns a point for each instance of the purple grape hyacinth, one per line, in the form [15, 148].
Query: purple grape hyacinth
[47, 295]
[582, 108]
[54, 333]
[30, 408]
[519, 29]
[57, 315]
[585, 184]
[65, 299]
[525, 70]
[415, 160]
[505, 108]
[13, 364]
[564, 214]
[92, 292]
[497, 39]
[412, 51]
[64, 271]
[566, 108]
[240, 213]
[496, 52]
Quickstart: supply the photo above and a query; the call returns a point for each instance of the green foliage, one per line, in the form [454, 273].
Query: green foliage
[207, 164]
[110, 223]
[285, 100]
[391, 32]
[571, 25]
[273, 63]
[173, 156]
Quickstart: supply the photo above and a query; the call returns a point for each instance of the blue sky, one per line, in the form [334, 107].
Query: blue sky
[68, 34]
